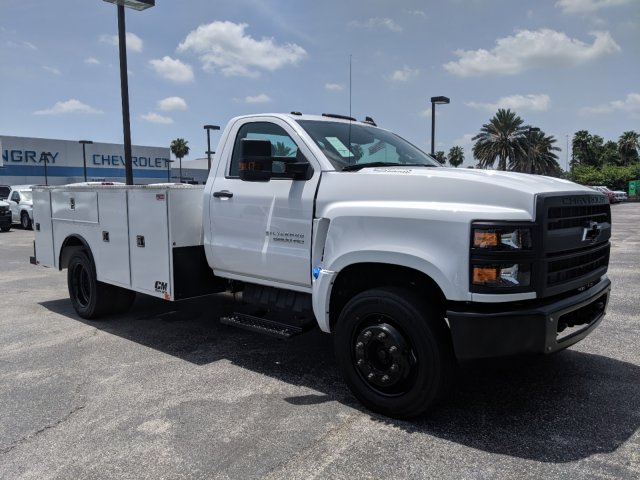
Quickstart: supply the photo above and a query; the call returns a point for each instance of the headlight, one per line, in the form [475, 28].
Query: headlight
[502, 276]
[502, 238]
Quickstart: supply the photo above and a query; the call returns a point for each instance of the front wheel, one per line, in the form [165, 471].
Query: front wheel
[395, 353]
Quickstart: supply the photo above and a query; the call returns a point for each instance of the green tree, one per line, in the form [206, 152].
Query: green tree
[180, 149]
[456, 156]
[501, 139]
[610, 154]
[628, 147]
[587, 149]
[440, 157]
[539, 155]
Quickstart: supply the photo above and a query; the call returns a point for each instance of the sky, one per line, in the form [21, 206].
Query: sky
[561, 65]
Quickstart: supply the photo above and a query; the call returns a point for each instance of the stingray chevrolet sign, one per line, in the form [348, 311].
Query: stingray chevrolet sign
[24, 160]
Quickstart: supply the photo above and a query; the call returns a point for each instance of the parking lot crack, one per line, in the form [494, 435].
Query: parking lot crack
[46, 428]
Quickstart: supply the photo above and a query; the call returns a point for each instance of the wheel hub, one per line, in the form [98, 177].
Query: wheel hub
[382, 355]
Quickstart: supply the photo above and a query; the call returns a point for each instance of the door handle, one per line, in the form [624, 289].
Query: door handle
[223, 194]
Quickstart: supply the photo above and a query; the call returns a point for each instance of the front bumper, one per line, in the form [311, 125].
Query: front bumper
[494, 330]
[5, 220]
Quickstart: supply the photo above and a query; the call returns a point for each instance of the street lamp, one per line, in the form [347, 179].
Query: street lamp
[169, 162]
[435, 101]
[84, 156]
[46, 160]
[124, 82]
[208, 128]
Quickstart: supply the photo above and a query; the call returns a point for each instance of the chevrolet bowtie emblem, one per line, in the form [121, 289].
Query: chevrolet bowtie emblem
[591, 232]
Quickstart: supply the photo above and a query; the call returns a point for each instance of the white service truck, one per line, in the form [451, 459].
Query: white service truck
[348, 227]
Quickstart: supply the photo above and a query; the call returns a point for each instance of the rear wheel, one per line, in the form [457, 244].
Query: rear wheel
[394, 352]
[25, 221]
[89, 297]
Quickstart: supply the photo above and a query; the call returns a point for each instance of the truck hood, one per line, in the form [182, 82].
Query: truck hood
[454, 189]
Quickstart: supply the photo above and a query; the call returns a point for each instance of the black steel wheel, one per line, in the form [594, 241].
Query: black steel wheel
[25, 221]
[89, 297]
[394, 352]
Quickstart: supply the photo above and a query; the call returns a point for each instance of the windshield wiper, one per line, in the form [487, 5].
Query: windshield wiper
[358, 166]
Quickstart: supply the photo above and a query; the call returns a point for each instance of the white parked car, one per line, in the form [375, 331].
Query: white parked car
[21, 205]
[620, 195]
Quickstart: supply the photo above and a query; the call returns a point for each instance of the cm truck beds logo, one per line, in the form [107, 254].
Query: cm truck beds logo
[161, 286]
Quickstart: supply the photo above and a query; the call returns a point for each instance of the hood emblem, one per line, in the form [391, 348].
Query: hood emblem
[591, 232]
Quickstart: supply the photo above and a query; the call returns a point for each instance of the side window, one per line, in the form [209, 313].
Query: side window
[15, 196]
[282, 145]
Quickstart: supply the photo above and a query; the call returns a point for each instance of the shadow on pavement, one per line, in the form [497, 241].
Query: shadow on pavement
[559, 408]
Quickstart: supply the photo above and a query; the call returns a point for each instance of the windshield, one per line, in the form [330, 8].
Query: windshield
[350, 146]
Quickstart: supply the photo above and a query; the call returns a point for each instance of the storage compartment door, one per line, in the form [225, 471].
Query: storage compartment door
[149, 242]
[43, 231]
[113, 242]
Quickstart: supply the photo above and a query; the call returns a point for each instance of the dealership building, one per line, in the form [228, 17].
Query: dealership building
[57, 162]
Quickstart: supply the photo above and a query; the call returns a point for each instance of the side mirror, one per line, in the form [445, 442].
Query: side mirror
[256, 162]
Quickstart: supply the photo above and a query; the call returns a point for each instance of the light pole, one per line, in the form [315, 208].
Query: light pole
[46, 160]
[169, 162]
[124, 81]
[84, 156]
[208, 128]
[435, 101]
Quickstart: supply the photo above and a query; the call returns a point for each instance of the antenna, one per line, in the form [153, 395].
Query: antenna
[350, 85]
[349, 145]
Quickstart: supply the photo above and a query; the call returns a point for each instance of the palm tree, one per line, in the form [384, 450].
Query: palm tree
[628, 146]
[540, 157]
[180, 149]
[456, 156]
[501, 139]
[440, 157]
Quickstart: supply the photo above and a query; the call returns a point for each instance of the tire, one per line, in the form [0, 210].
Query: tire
[90, 298]
[25, 221]
[395, 352]
[5, 228]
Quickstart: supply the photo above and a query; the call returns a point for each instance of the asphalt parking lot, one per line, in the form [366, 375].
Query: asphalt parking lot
[165, 391]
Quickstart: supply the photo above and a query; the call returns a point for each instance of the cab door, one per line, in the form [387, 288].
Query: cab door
[261, 231]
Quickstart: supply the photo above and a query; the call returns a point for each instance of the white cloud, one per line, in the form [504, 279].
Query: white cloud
[530, 49]
[375, 23]
[333, 87]
[70, 106]
[53, 70]
[154, 117]
[91, 61]
[417, 13]
[630, 104]
[173, 69]
[404, 75]
[588, 6]
[28, 45]
[261, 98]
[172, 103]
[134, 42]
[535, 103]
[226, 47]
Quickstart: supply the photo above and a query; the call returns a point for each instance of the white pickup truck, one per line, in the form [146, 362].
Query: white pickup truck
[348, 227]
